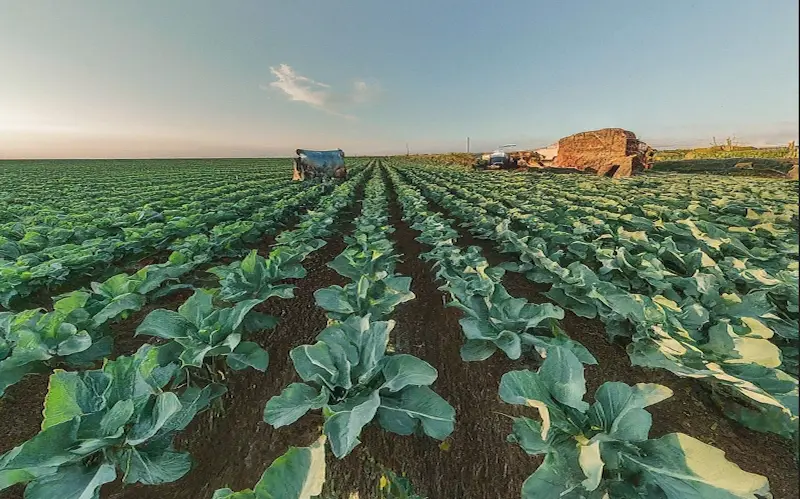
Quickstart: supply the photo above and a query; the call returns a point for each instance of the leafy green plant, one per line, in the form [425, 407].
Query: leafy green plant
[120, 295]
[365, 297]
[257, 278]
[368, 254]
[703, 282]
[604, 449]
[348, 375]
[368, 261]
[99, 422]
[34, 341]
[494, 319]
[297, 474]
[199, 330]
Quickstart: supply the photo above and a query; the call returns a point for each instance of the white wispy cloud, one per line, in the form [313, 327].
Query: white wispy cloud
[320, 95]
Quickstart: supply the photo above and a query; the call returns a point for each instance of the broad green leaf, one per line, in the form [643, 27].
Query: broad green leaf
[68, 396]
[347, 419]
[71, 302]
[165, 324]
[74, 344]
[333, 299]
[402, 412]
[562, 373]
[230, 494]
[686, 468]
[248, 354]
[115, 418]
[297, 474]
[239, 312]
[163, 407]
[192, 401]
[72, 482]
[314, 363]
[128, 302]
[294, 401]
[152, 469]
[527, 433]
[558, 473]
[40, 456]
[477, 350]
[543, 344]
[197, 307]
[402, 370]
[193, 353]
[526, 388]
[619, 409]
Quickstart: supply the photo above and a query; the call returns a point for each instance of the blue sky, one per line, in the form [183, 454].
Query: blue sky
[155, 78]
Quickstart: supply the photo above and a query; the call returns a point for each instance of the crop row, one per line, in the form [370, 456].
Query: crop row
[125, 415]
[186, 228]
[693, 321]
[71, 194]
[597, 450]
[74, 189]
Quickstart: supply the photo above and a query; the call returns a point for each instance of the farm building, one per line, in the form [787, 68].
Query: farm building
[609, 151]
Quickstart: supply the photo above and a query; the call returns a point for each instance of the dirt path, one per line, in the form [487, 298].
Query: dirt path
[475, 461]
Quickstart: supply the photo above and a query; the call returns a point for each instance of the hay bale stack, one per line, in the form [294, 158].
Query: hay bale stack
[609, 151]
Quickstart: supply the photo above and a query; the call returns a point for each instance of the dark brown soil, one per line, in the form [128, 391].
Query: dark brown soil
[690, 410]
[232, 448]
[475, 461]
[21, 416]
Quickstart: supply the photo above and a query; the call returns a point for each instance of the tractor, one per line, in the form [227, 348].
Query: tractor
[319, 164]
[497, 160]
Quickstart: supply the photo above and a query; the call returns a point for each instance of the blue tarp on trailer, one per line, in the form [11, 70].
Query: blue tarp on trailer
[319, 163]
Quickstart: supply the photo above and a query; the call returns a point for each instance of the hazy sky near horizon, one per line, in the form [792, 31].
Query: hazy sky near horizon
[192, 78]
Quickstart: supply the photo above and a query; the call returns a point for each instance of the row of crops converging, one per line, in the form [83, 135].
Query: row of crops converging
[698, 279]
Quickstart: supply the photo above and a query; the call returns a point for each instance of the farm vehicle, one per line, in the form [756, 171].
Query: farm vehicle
[319, 164]
[499, 159]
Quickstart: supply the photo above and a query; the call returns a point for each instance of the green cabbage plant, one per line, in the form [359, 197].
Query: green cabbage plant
[603, 450]
[120, 418]
[258, 278]
[199, 330]
[348, 375]
[34, 341]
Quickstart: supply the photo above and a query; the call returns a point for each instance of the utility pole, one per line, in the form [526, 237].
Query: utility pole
[407, 153]
[467, 144]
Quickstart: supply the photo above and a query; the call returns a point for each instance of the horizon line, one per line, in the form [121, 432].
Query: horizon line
[149, 158]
